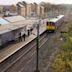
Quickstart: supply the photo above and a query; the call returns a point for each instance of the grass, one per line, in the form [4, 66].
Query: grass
[63, 61]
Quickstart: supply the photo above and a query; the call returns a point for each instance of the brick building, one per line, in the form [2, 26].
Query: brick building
[25, 9]
[1, 8]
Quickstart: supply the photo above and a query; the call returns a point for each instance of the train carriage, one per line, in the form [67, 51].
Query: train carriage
[53, 23]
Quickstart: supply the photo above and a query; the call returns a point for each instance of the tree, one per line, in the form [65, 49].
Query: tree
[62, 62]
[13, 7]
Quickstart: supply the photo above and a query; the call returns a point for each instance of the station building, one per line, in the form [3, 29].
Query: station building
[11, 27]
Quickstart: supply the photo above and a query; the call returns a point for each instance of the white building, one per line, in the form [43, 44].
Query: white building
[11, 27]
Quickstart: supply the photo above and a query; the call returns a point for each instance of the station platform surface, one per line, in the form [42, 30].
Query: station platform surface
[11, 49]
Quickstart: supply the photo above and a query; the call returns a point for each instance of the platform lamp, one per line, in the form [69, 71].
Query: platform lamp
[37, 48]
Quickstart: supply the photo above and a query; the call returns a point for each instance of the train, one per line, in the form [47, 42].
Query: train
[53, 23]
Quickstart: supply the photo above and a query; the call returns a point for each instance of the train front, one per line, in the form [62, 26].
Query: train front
[50, 26]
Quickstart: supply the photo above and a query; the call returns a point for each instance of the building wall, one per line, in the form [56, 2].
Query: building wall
[38, 10]
[23, 11]
[1, 9]
[35, 7]
[28, 9]
[42, 10]
[19, 10]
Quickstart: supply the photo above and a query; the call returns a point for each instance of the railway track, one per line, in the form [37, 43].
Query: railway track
[33, 54]
[31, 63]
[51, 54]
[18, 61]
[20, 58]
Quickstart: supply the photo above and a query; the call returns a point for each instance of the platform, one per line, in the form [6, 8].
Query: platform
[11, 49]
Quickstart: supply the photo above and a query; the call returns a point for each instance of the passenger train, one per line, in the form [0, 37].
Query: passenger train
[53, 23]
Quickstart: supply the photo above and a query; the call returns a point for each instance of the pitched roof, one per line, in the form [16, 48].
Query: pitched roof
[15, 18]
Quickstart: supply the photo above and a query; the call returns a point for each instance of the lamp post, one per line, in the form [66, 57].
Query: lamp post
[37, 49]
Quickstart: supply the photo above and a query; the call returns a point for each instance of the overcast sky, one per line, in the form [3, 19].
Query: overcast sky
[38, 1]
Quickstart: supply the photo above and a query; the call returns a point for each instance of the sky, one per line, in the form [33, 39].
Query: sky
[5, 2]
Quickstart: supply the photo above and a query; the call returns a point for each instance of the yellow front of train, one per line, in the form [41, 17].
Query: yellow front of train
[50, 27]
